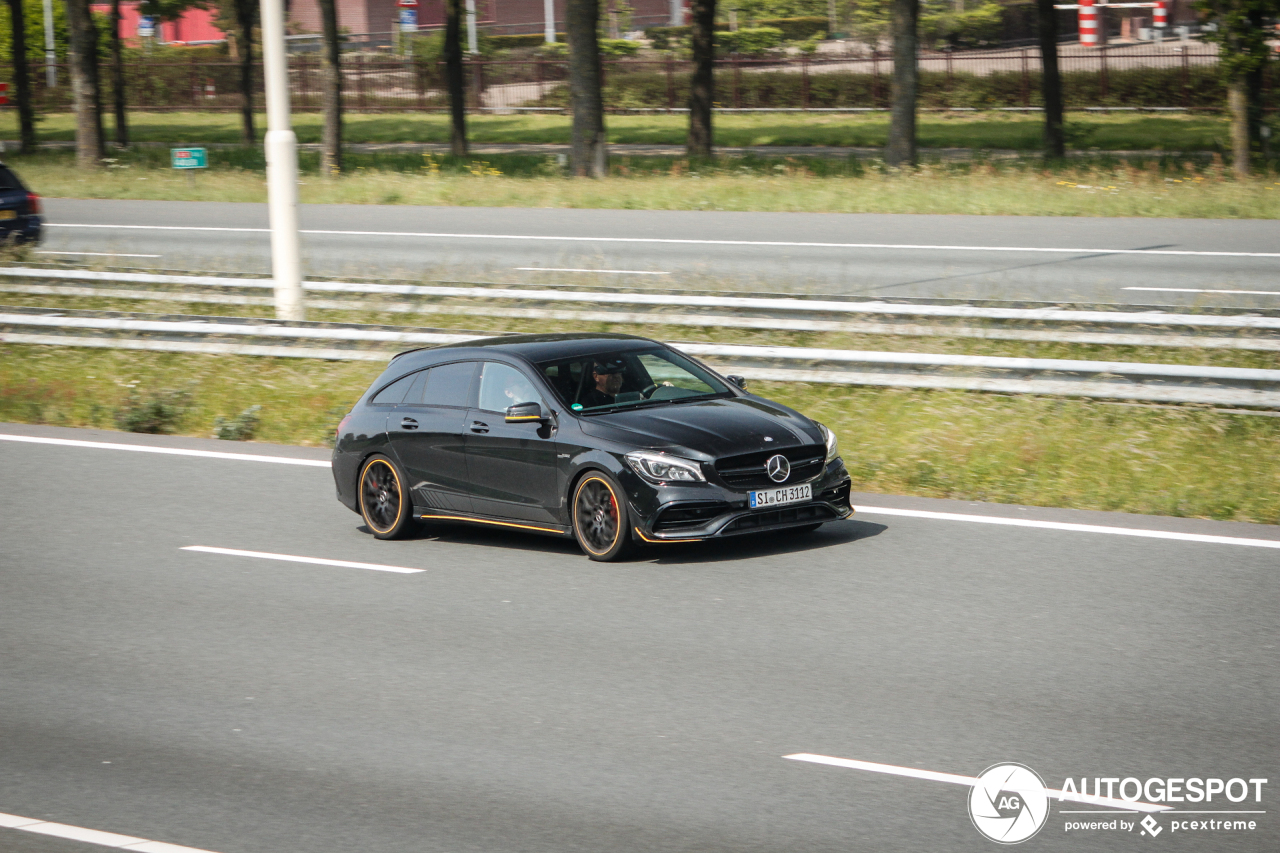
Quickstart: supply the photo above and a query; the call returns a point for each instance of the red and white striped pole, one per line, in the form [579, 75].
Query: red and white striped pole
[1162, 14]
[1088, 24]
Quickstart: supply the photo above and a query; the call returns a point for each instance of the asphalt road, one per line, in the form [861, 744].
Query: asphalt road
[516, 697]
[993, 257]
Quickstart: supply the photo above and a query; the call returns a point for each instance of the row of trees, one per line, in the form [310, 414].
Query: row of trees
[1241, 32]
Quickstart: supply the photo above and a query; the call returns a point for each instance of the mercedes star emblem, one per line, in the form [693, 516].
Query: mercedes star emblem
[778, 468]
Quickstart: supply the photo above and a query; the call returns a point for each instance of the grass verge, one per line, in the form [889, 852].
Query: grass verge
[980, 130]
[1028, 450]
[1105, 187]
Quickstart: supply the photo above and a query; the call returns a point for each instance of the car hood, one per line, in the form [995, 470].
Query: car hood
[708, 429]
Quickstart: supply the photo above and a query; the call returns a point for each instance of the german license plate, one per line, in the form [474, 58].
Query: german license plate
[784, 495]
[8, 214]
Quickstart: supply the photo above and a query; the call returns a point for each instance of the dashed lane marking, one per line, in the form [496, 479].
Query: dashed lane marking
[614, 272]
[290, 558]
[92, 836]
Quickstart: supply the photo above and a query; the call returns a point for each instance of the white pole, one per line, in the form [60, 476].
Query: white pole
[282, 168]
[50, 53]
[472, 47]
[549, 14]
[677, 13]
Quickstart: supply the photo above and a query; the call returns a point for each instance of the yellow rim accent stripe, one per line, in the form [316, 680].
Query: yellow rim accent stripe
[616, 505]
[399, 509]
[488, 521]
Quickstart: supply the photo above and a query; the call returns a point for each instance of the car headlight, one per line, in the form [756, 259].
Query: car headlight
[660, 468]
[833, 446]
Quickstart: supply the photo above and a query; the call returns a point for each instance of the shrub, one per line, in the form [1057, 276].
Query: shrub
[751, 41]
[618, 48]
[797, 29]
[157, 413]
[240, 428]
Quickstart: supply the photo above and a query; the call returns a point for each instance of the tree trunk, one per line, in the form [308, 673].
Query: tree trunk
[22, 78]
[117, 78]
[331, 81]
[244, 43]
[456, 77]
[1238, 105]
[1055, 145]
[702, 86]
[85, 94]
[905, 17]
[590, 156]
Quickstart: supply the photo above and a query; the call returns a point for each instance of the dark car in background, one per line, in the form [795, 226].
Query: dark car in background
[612, 439]
[20, 220]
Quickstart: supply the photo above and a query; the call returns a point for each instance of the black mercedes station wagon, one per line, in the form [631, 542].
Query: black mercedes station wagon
[612, 439]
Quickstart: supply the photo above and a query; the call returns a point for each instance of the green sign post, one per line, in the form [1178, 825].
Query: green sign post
[189, 158]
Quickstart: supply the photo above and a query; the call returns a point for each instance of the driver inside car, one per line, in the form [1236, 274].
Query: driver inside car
[608, 376]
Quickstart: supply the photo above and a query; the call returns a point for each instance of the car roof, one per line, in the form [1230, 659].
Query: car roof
[535, 348]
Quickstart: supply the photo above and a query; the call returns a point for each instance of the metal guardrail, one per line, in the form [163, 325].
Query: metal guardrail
[1164, 383]
[775, 312]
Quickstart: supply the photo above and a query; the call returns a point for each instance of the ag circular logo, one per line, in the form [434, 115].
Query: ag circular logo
[1008, 804]
[778, 468]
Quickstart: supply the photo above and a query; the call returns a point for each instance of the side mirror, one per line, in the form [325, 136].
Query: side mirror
[740, 381]
[525, 413]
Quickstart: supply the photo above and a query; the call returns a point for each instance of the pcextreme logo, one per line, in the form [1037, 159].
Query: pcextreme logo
[1009, 803]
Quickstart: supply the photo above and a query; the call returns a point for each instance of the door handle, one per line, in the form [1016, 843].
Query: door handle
[479, 426]
[408, 423]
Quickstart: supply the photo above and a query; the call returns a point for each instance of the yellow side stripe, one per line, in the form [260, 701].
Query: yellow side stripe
[488, 521]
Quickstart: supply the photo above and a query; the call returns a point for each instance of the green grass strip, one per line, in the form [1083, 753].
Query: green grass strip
[1025, 450]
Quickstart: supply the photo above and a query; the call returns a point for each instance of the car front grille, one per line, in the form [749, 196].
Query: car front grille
[688, 515]
[786, 515]
[747, 471]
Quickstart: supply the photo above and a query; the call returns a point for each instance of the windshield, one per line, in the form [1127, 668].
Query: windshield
[613, 380]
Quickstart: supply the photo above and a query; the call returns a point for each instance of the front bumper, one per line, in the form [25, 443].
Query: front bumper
[688, 513]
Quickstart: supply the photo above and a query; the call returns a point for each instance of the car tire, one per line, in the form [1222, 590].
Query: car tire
[384, 502]
[601, 522]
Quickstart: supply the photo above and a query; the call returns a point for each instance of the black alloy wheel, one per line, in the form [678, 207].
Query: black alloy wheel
[600, 520]
[383, 502]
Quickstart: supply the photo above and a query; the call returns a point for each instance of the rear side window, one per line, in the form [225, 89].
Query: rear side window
[449, 384]
[8, 180]
[393, 393]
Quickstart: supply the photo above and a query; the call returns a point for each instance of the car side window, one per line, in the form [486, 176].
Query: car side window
[449, 385]
[502, 386]
[393, 393]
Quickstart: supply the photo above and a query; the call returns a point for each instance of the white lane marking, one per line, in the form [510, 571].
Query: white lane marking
[934, 776]
[615, 272]
[173, 451]
[98, 254]
[686, 241]
[1078, 528]
[864, 510]
[1198, 290]
[92, 836]
[289, 558]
